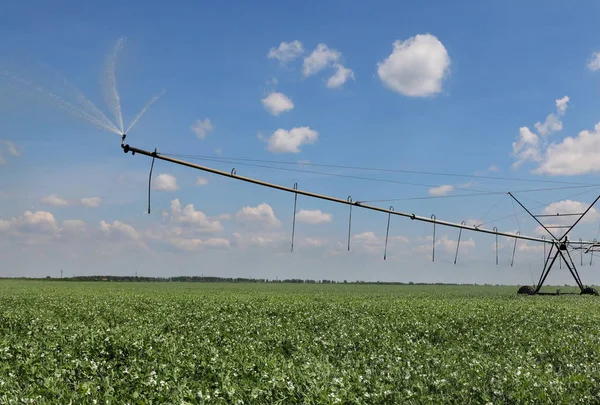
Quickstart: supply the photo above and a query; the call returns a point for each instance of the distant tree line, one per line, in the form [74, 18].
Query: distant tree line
[212, 279]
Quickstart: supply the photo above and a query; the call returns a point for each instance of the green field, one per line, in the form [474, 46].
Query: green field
[291, 343]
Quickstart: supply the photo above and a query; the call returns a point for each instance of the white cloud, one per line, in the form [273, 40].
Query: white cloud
[182, 228]
[218, 243]
[42, 221]
[54, 200]
[2, 159]
[574, 155]
[369, 242]
[313, 217]
[446, 244]
[186, 244]
[493, 168]
[33, 228]
[561, 105]
[201, 128]
[194, 244]
[201, 181]
[441, 190]
[286, 52]
[526, 147]
[532, 147]
[195, 221]
[276, 103]
[283, 141]
[594, 62]
[218, 151]
[166, 182]
[416, 67]
[262, 214]
[340, 77]
[119, 230]
[319, 59]
[91, 202]
[314, 242]
[551, 125]
[449, 245]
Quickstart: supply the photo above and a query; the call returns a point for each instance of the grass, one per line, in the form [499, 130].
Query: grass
[284, 343]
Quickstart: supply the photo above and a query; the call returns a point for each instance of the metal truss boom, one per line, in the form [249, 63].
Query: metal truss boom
[156, 155]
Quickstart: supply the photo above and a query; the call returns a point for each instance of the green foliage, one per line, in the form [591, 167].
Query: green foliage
[63, 342]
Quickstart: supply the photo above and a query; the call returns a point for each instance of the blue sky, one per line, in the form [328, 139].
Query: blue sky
[447, 88]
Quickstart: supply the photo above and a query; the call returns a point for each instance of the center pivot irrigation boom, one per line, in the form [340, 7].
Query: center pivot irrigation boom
[559, 246]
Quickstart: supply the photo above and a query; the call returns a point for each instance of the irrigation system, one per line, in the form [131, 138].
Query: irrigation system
[559, 246]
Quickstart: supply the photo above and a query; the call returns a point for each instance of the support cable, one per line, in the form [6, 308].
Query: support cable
[206, 157]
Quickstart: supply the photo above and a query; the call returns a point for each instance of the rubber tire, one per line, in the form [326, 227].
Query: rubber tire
[526, 290]
[589, 291]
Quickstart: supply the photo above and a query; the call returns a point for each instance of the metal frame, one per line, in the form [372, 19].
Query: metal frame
[561, 245]
[433, 220]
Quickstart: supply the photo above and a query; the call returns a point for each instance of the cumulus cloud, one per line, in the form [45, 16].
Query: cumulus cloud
[526, 147]
[276, 103]
[574, 155]
[341, 76]
[594, 62]
[166, 182]
[441, 190]
[201, 128]
[286, 51]
[91, 202]
[195, 244]
[449, 245]
[41, 221]
[416, 67]
[185, 228]
[262, 214]
[553, 123]
[369, 242]
[195, 221]
[201, 181]
[218, 243]
[571, 156]
[119, 230]
[445, 244]
[561, 105]
[319, 59]
[313, 217]
[54, 200]
[284, 141]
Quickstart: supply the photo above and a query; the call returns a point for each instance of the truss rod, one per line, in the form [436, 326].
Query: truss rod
[558, 215]
[127, 148]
